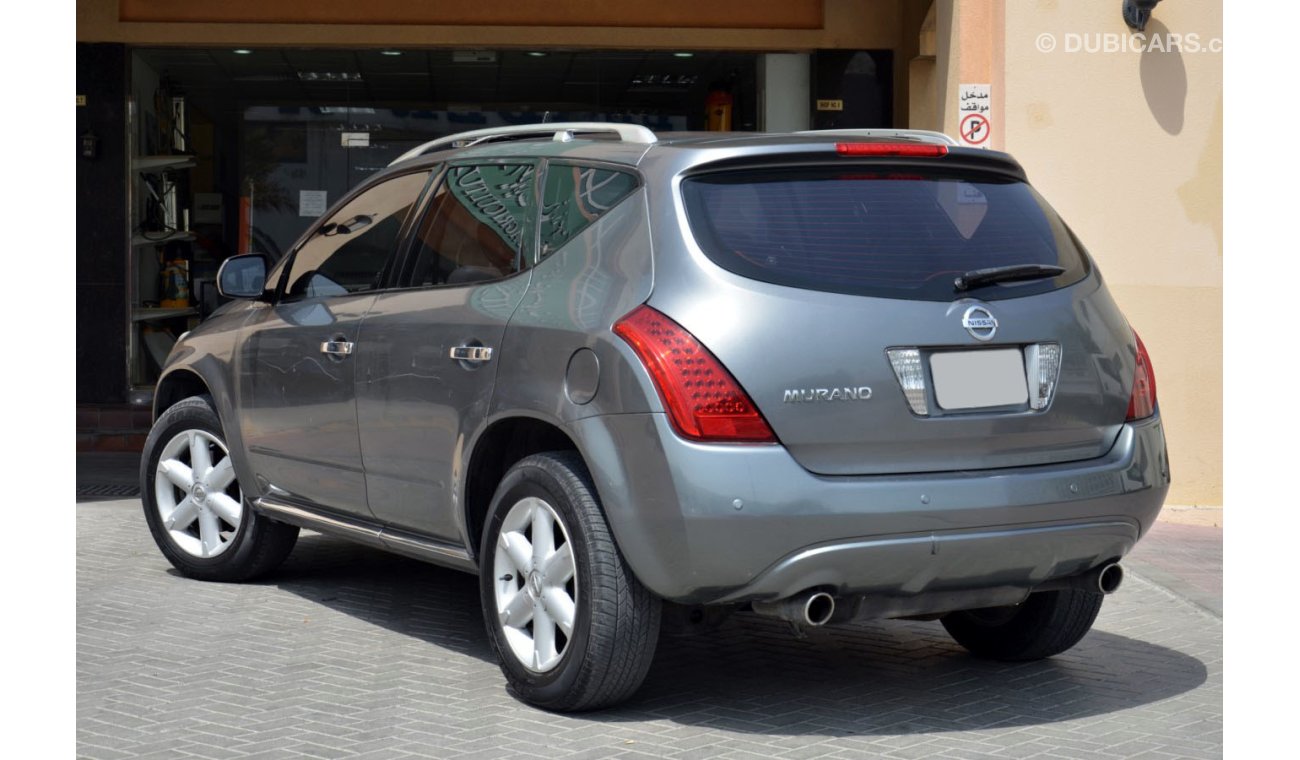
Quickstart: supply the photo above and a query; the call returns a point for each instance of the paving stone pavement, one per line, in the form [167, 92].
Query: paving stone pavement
[1187, 559]
[347, 652]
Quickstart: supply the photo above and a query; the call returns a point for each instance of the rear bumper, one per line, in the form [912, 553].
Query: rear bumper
[705, 524]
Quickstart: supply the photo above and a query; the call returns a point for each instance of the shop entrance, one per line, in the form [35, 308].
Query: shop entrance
[237, 150]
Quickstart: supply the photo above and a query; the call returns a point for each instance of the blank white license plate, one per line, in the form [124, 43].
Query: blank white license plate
[976, 379]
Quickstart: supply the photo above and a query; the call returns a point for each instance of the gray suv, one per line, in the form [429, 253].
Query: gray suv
[627, 378]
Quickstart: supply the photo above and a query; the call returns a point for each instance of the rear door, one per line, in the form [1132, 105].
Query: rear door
[844, 323]
[298, 410]
[428, 352]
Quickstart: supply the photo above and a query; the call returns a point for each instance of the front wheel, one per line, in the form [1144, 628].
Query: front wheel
[573, 628]
[1045, 624]
[194, 506]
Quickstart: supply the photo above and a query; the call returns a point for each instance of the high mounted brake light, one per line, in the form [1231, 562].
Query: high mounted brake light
[1142, 402]
[704, 402]
[920, 150]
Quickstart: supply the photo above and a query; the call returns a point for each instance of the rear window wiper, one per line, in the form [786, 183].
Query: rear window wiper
[1012, 273]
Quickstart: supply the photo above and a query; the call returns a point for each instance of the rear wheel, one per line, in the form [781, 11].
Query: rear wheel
[573, 628]
[1045, 624]
[193, 503]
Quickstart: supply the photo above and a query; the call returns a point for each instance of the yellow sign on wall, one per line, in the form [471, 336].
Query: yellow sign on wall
[830, 105]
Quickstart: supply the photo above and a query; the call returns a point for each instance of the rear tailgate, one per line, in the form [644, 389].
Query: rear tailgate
[838, 296]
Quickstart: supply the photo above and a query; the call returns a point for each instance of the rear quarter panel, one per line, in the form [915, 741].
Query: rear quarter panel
[573, 300]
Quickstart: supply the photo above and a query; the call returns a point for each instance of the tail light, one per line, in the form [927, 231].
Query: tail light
[1142, 403]
[704, 402]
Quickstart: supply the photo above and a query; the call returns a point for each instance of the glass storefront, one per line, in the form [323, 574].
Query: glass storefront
[236, 150]
[298, 160]
[241, 149]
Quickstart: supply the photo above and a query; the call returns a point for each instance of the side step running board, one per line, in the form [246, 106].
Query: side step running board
[370, 534]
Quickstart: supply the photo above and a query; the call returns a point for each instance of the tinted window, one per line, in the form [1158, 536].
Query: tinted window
[474, 228]
[576, 196]
[878, 234]
[348, 253]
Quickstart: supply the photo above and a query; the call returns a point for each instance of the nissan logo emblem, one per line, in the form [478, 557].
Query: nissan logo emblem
[979, 322]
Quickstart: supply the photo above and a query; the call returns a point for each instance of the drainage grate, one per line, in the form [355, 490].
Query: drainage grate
[107, 491]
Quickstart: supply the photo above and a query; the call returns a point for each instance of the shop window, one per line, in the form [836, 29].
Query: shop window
[474, 228]
[350, 252]
[576, 196]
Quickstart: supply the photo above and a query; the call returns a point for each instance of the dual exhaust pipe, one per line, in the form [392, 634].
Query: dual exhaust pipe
[816, 608]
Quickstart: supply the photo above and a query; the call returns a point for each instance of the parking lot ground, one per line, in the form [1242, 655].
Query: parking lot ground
[1186, 559]
[348, 652]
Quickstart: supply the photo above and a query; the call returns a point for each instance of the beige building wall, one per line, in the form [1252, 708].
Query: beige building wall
[1129, 148]
[1124, 136]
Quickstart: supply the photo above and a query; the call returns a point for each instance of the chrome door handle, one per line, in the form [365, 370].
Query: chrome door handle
[336, 347]
[471, 353]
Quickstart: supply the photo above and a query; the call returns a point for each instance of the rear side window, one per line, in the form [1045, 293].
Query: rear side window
[878, 233]
[475, 226]
[576, 196]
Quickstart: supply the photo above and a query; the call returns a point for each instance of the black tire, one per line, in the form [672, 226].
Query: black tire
[1045, 624]
[253, 548]
[616, 619]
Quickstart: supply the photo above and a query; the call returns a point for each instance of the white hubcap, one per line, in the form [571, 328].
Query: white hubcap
[536, 584]
[199, 502]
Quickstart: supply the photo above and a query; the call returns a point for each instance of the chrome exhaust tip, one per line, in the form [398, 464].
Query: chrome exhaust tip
[1109, 578]
[1103, 579]
[808, 608]
[818, 609]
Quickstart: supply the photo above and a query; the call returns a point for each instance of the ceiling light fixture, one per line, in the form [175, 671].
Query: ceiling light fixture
[537, 53]
[329, 76]
[242, 51]
[683, 55]
[390, 52]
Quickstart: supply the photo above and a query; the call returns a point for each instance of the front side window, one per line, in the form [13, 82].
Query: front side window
[349, 253]
[576, 196]
[475, 227]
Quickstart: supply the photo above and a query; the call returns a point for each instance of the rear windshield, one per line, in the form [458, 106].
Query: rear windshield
[878, 233]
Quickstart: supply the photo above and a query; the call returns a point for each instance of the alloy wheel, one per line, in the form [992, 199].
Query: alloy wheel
[199, 502]
[536, 584]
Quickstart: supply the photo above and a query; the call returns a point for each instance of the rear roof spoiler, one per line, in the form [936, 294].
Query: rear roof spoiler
[958, 158]
[919, 135]
[563, 131]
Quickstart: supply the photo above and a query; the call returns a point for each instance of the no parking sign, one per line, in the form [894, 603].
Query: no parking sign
[975, 129]
[973, 108]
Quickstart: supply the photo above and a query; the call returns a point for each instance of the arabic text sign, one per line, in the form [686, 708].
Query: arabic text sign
[973, 114]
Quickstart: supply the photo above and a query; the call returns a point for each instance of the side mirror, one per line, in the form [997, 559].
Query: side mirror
[243, 276]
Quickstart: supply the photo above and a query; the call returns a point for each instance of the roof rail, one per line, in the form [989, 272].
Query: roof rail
[921, 135]
[560, 131]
